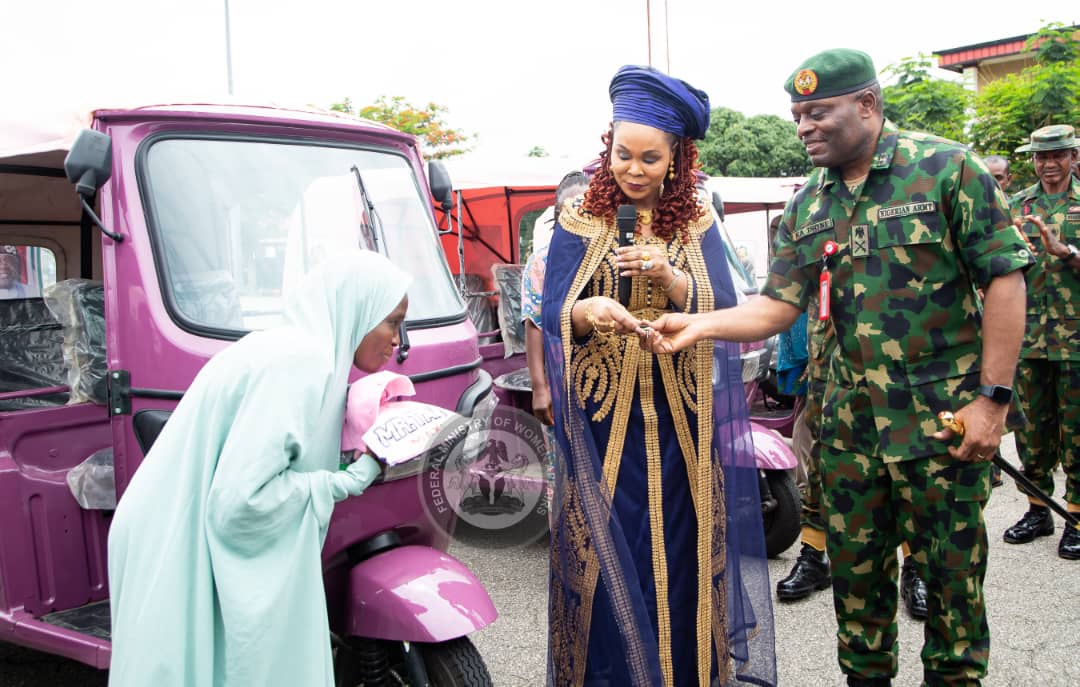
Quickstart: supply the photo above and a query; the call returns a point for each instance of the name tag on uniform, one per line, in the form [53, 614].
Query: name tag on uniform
[1072, 214]
[905, 210]
[860, 240]
[810, 229]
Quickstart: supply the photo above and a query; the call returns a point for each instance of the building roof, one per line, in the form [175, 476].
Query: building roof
[957, 59]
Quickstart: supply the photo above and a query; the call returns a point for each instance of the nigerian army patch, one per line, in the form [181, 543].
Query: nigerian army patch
[805, 81]
[906, 209]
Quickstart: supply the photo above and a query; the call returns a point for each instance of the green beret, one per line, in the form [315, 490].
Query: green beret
[1054, 137]
[831, 73]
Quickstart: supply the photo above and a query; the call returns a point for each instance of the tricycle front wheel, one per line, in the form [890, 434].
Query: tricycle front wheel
[372, 663]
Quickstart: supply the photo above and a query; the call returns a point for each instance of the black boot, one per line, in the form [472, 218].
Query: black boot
[810, 573]
[1070, 543]
[913, 590]
[1037, 522]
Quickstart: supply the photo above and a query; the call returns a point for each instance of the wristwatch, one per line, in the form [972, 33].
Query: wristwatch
[996, 393]
[1073, 252]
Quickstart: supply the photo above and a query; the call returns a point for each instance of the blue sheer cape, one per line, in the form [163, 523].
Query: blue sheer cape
[605, 624]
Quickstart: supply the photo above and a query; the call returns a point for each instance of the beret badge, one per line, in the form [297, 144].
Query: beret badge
[806, 81]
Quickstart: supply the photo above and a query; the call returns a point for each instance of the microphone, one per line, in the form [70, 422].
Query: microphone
[625, 221]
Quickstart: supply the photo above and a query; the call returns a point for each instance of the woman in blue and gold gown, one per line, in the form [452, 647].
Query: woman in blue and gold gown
[658, 569]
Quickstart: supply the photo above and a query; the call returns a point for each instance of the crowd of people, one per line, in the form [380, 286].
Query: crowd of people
[916, 287]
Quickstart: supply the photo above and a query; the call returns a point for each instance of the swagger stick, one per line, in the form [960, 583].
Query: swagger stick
[1026, 484]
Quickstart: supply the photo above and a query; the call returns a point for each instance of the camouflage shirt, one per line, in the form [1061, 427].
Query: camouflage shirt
[928, 226]
[1053, 302]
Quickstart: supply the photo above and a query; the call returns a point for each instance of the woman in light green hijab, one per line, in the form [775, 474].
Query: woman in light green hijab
[214, 551]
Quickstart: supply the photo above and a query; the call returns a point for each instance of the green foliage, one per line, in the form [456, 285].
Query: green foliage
[538, 151]
[758, 146]
[426, 123]
[1009, 109]
[921, 103]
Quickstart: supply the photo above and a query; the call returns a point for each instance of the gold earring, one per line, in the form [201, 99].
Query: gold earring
[671, 169]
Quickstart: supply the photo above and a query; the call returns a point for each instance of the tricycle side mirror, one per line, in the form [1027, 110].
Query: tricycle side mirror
[88, 165]
[441, 188]
[89, 162]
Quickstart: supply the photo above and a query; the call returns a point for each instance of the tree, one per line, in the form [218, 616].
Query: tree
[426, 123]
[921, 103]
[1009, 109]
[538, 151]
[758, 146]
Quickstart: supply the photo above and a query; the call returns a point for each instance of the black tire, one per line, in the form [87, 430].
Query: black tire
[782, 522]
[454, 663]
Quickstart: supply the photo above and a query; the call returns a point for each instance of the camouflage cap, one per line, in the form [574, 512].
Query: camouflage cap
[831, 73]
[1053, 137]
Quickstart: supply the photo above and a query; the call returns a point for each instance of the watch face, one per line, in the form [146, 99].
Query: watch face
[996, 393]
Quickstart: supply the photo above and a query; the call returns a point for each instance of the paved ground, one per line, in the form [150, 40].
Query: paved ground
[1034, 610]
[1034, 613]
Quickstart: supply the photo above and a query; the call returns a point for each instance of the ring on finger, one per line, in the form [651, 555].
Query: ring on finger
[646, 265]
[645, 256]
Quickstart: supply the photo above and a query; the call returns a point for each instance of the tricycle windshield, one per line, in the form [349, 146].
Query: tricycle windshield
[237, 222]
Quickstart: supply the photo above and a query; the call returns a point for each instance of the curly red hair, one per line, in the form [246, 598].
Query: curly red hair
[678, 205]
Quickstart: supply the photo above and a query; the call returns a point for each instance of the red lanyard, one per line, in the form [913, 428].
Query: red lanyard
[825, 281]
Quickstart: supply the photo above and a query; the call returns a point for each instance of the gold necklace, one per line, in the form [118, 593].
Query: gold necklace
[645, 217]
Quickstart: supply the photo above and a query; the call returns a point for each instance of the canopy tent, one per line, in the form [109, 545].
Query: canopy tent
[753, 194]
[494, 198]
[33, 188]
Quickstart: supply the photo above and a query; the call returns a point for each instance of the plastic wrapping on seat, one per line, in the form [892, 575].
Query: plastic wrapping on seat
[508, 284]
[31, 355]
[477, 301]
[79, 305]
[93, 483]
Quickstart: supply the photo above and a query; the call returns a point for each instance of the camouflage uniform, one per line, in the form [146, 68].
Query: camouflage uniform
[927, 225]
[820, 344]
[1048, 376]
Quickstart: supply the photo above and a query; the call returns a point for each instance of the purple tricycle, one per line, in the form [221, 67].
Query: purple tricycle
[186, 227]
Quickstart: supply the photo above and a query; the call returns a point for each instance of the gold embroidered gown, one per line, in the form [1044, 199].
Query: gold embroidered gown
[656, 465]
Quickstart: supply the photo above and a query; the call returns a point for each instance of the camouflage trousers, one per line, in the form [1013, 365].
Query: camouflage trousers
[811, 513]
[809, 454]
[936, 505]
[1049, 393]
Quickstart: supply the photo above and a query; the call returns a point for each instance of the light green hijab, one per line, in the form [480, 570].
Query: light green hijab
[214, 551]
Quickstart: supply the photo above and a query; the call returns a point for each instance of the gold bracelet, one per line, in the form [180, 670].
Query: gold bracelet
[595, 323]
[678, 274]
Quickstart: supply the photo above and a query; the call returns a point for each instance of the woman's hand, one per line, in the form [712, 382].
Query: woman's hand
[645, 261]
[602, 314]
[541, 402]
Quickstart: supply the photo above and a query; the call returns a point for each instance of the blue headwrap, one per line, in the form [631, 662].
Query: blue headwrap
[648, 96]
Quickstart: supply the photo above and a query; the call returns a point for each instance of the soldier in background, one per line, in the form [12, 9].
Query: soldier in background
[1048, 376]
[869, 232]
[999, 167]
